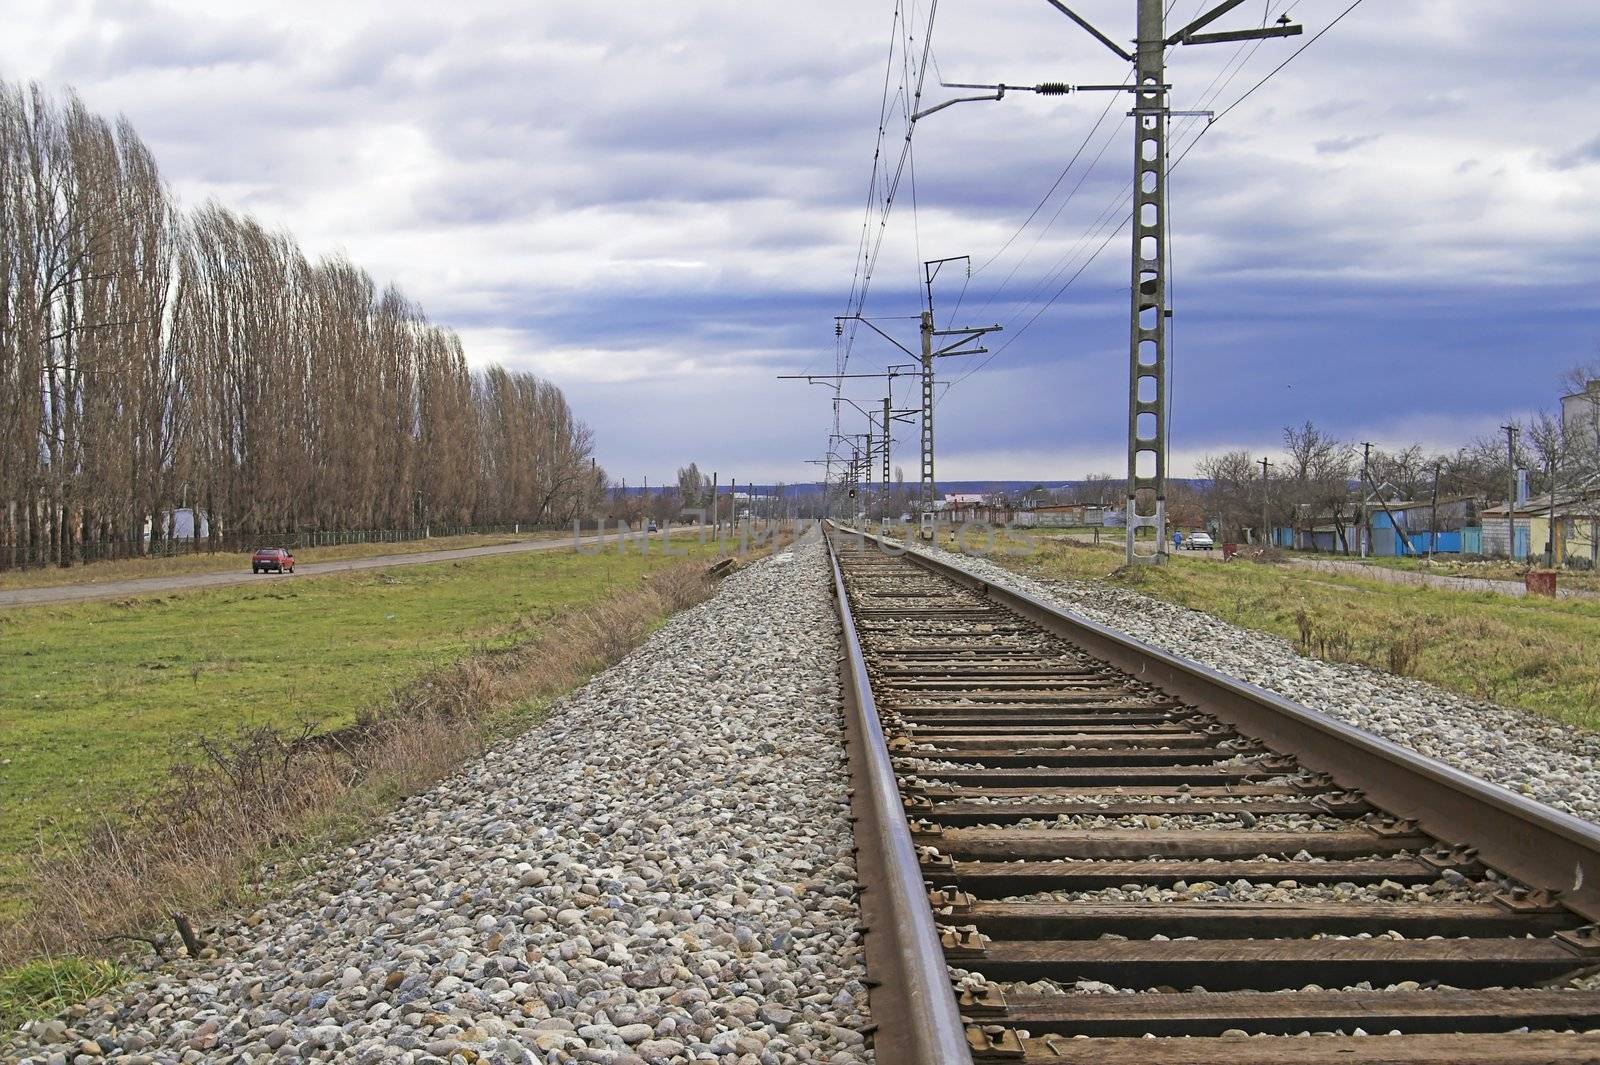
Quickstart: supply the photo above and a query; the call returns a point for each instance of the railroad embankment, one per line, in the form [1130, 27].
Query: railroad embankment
[660, 871]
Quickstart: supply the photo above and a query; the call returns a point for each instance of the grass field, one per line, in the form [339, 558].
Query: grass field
[97, 699]
[237, 561]
[1538, 654]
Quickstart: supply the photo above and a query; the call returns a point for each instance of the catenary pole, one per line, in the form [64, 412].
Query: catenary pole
[1148, 349]
[927, 412]
[887, 437]
[1147, 384]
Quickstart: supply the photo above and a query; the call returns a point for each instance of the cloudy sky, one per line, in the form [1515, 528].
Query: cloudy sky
[659, 205]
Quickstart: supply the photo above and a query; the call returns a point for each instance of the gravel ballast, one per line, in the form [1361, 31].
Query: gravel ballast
[1544, 760]
[661, 872]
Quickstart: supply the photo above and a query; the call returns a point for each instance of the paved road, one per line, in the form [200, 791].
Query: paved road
[72, 593]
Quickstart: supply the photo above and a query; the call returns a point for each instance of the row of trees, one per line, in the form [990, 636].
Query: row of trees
[1318, 477]
[152, 358]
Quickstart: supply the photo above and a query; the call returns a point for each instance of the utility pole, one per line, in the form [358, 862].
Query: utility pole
[1369, 491]
[1148, 371]
[1550, 542]
[714, 522]
[927, 411]
[1147, 367]
[1365, 532]
[1147, 364]
[931, 351]
[932, 348]
[887, 438]
[1433, 514]
[1511, 432]
[1266, 524]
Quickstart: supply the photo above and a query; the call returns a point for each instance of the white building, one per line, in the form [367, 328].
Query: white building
[1580, 413]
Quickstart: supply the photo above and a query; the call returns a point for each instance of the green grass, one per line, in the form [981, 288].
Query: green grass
[42, 988]
[97, 699]
[1539, 654]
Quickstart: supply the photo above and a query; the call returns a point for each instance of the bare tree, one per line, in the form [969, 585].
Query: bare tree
[1231, 495]
[151, 359]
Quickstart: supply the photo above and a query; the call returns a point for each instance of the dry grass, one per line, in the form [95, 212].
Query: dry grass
[195, 845]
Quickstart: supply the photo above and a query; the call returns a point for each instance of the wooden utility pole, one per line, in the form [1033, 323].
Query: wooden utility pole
[1511, 432]
[1266, 522]
[1551, 545]
[1364, 533]
[1433, 515]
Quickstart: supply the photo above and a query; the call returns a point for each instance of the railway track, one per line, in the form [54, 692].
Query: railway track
[1077, 848]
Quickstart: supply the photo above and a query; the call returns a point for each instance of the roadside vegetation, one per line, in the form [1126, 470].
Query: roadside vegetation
[1539, 654]
[151, 770]
[41, 988]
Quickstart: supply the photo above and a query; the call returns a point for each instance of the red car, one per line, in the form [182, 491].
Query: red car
[277, 559]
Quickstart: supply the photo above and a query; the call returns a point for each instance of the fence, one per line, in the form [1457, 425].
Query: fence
[1442, 543]
[19, 556]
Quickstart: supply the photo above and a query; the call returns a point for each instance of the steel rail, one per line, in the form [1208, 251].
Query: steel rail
[915, 1016]
[1540, 846]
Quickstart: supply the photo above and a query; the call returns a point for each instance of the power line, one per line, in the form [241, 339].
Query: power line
[1292, 56]
[1094, 226]
[872, 181]
[906, 98]
[1065, 260]
[1052, 190]
[1251, 90]
[1014, 335]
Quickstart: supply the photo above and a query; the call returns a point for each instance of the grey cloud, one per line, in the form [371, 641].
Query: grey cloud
[1339, 145]
[522, 120]
[1583, 155]
[137, 36]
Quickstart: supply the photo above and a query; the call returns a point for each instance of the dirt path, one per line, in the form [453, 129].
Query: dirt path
[1432, 580]
[73, 593]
